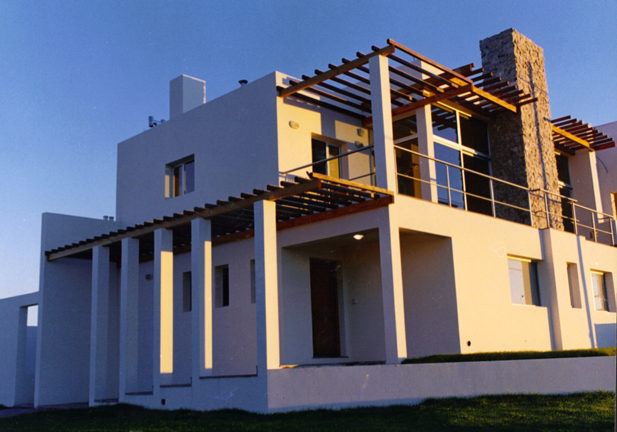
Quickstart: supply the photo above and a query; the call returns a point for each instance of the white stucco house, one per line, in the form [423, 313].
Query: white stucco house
[288, 244]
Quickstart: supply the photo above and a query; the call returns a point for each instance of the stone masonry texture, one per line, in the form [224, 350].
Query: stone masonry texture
[522, 146]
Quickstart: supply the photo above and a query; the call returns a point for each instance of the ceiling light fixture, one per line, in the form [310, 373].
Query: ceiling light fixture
[358, 236]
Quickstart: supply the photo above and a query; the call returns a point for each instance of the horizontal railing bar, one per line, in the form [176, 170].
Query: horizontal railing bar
[460, 191]
[329, 159]
[463, 168]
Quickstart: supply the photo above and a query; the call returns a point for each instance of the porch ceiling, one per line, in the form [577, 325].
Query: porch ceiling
[411, 86]
[304, 201]
[570, 134]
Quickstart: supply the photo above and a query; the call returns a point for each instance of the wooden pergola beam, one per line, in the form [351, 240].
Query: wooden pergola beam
[334, 72]
[187, 218]
[569, 136]
[494, 99]
[402, 112]
[429, 61]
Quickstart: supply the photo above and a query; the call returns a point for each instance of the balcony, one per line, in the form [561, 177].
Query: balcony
[446, 183]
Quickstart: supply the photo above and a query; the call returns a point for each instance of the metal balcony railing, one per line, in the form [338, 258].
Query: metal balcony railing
[498, 198]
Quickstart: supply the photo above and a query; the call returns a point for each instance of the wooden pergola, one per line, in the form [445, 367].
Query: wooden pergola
[304, 201]
[570, 134]
[346, 88]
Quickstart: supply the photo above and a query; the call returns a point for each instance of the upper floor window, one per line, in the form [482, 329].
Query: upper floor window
[324, 150]
[180, 176]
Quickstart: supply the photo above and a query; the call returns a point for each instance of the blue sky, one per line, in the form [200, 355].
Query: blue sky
[77, 77]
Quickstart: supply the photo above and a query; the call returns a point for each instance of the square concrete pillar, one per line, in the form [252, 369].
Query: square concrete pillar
[426, 147]
[392, 291]
[266, 287]
[381, 106]
[163, 338]
[99, 324]
[201, 308]
[129, 316]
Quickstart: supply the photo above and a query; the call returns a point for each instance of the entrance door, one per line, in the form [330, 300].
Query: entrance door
[324, 307]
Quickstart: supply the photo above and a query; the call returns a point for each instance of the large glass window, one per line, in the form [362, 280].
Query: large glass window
[565, 190]
[459, 140]
[523, 281]
[462, 141]
[449, 176]
[444, 123]
[407, 159]
[408, 168]
[474, 134]
[323, 150]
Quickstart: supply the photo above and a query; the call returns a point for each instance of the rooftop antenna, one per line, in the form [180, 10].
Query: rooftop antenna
[152, 123]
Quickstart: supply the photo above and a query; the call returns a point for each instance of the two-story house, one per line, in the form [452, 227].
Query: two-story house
[288, 244]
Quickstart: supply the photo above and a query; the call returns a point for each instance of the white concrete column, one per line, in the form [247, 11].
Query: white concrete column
[201, 309]
[163, 338]
[99, 324]
[584, 179]
[266, 287]
[426, 147]
[129, 316]
[381, 105]
[392, 290]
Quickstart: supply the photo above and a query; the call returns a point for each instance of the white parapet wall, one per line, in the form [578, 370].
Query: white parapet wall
[344, 386]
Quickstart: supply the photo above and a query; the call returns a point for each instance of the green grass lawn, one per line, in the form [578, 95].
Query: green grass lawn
[512, 355]
[577, 412]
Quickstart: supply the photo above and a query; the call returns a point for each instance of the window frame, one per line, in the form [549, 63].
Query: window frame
[329, 142]
[603, 294]
[221, 286]
[177, 186]
[575, 291]
[533, 282]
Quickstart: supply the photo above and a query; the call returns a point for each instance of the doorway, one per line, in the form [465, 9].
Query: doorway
[325, 308]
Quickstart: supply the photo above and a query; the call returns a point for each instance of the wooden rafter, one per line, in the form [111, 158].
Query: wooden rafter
[334, 72]
[479, 92]
[234, 218]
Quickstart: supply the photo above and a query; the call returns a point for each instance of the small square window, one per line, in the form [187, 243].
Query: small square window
[221, 286]
[523, 281]
[187, 292]
[575, 293]
[180, 177]
[600, 295]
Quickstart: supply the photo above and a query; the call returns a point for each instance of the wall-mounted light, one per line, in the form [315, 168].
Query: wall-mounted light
[358, 236]
[360, 132]
[293, 124]
[359, 144]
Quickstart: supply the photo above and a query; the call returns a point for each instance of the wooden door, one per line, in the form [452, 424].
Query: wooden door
[324, 308]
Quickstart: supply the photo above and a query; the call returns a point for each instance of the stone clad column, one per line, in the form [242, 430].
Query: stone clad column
[381, 105]
[99, 324]
[201, 285]
[266, 287]
[522, 147]
[163, 340]
[129, 316]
